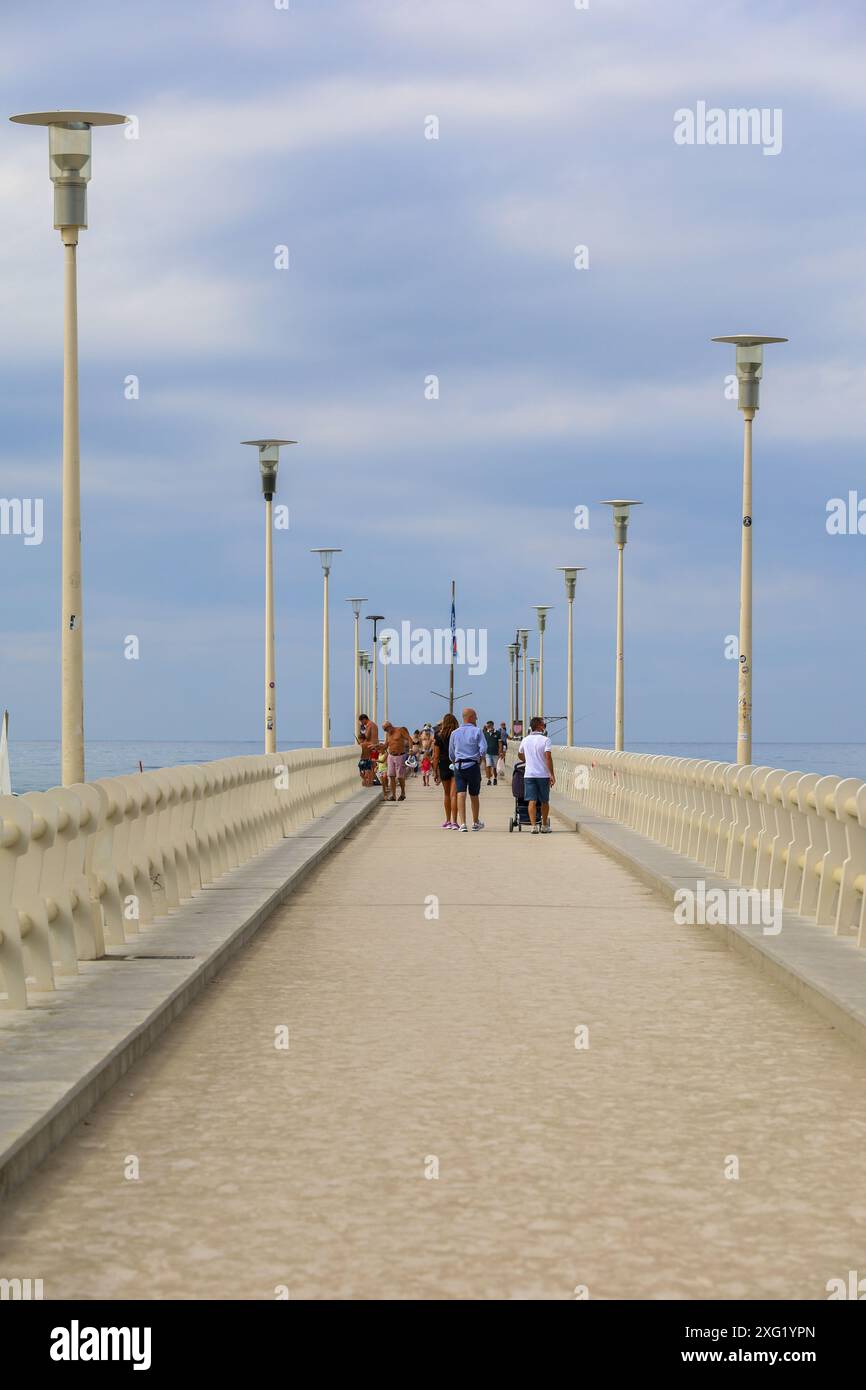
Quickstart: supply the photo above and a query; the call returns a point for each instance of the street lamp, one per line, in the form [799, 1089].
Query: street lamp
[326, 555]
[542, 611]
[356, 609]
[570, 573]
[269, 458]
[620, 535]
[385, 644]
[523, 634]
[365, 672]
[513, 649]
[69, 149]
[533, 688]
[750, 369]
[375, 619]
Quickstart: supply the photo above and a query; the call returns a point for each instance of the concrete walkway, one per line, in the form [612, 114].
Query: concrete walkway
[414, 1040]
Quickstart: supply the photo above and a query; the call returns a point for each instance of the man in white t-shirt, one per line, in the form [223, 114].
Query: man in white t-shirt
[539, 776]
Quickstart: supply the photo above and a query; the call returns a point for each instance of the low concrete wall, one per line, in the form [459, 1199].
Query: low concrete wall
[91, 864]
[827, 972]
[60, 1056]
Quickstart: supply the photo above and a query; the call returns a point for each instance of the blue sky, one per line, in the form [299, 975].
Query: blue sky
[409, 257]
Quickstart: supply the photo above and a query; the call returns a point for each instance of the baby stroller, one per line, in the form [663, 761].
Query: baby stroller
[521, 805]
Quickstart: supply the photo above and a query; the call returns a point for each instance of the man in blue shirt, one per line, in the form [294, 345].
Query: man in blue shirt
[466, 747]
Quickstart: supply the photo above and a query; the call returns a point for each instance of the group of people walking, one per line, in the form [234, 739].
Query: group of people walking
[453, 754]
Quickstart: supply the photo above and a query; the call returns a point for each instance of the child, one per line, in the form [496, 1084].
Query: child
[412, 763]
[426, 765]
[382, 767]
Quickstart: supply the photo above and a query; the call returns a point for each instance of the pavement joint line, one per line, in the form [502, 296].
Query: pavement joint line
[106, 1051]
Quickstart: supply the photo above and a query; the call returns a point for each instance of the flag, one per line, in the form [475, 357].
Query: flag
[453, 630]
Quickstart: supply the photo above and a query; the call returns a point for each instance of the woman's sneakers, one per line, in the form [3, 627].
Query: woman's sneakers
[478, 825]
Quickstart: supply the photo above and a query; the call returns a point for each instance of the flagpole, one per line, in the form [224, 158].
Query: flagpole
[453, 645]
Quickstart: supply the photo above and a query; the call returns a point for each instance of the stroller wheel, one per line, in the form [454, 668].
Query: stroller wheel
[519, 825]
[510, 826]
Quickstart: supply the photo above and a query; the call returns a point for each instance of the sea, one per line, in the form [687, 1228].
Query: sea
[35, 765]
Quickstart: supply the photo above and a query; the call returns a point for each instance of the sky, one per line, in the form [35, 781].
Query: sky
[409, 257]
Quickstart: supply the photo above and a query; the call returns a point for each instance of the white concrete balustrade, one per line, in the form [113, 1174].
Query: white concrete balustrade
[803, 834]
[89, 864]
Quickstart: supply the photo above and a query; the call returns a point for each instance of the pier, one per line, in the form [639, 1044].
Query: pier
[350, 1055]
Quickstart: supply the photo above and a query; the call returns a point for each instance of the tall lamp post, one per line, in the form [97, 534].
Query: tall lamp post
[326, 555]
[620, 529]
[570, 573]
[365, 682]
[356, 609]
[542, 611]
[375, 619]
[385, 644]
[269, 458]
[750, 369]
[533, 686]
[514, 651]
[512, 654]
[69, 150]
[523, 635]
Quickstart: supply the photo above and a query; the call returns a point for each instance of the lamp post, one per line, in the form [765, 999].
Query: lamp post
[69, 150]
[385, 643]
[365, 671]
[533, 686]
[269, 458]
[512, 654]
[356, 609]
[375, 619]
[570, 573]
[514, 697]
[542, 611]
[750, 369]
[326, 555]
[523, 634]
[620, 530]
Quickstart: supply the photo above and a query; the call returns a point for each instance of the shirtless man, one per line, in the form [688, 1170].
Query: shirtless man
[368, 737]
[398, 741]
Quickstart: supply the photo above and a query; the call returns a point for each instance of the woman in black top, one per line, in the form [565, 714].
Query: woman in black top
[442, 770]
